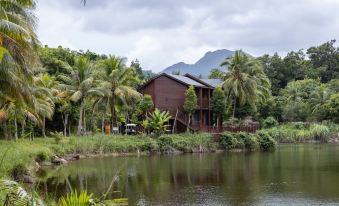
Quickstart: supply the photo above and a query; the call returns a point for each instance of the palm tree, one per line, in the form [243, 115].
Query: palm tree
[246, 81]
[80, 85]
[319, 98]
[17, 54]
[17, 31]
[45, 95]
[117, 82]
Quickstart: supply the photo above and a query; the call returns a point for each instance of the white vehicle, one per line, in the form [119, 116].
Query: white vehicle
[130, 128]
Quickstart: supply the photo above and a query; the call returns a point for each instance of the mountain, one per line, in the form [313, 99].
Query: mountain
[203, 66]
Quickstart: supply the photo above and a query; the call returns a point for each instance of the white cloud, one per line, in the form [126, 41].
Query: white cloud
[161, 33]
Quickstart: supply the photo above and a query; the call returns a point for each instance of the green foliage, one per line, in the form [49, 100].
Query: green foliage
[100, 144]
[215, 74]
[324, 59]
[42, 156]
[270, 122]
[331, 108]
[218, 102]
[300, 132]
[144, 106]
[266, 142]
[228, 141]
[58, 137]
[22, 154]
[246, 140]
[191, 100]
[240, 140]
[165, 143]
[75, 199]
[11, 193]
[186, 143]
[246, 82]
[117, 82]
[320, 132]
[158, 122]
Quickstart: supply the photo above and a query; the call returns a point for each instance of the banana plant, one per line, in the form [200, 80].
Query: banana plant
[159, 122]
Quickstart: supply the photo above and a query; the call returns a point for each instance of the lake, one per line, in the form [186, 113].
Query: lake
[291, 175]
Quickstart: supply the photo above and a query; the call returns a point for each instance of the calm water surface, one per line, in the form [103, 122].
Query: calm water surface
[292, 175]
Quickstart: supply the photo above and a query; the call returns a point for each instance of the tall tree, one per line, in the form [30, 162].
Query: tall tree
[118, 82]
[246, 81]
[325, 59]
[190, 103]
[218, 103]
[80, 85]
[17, 31]
[215, 74]
[45, 94]
[17, 50]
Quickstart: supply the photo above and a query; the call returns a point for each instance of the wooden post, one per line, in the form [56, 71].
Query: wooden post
[209, 108]
[175, 121]
[200, 109]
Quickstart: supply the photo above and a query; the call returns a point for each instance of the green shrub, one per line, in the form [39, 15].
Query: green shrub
[18, 171]
[320, 132]
[73, 199]
[239, 140]
[165, 143]
[270, 122]
[297, 125]
[266, 142]
[251, 142]
[148, 145]
[228, 141]
[42, 156]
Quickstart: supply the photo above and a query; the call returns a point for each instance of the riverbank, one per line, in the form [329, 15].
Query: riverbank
[22, 157]
[17, 158]
[299, 132]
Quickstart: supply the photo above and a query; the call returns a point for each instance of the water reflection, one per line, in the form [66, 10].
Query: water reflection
[301, 174]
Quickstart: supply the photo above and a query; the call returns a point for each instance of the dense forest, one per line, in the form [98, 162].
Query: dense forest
[66, 90]
[303, 86]
[46, 90]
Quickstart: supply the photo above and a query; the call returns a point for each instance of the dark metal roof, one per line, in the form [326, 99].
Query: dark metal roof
[207, 82]
[212, 82]
[187, 80]
[181, 79]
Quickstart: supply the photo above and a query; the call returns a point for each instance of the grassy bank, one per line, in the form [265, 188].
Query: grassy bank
[21, 156]
[24, 153]
[304, 132]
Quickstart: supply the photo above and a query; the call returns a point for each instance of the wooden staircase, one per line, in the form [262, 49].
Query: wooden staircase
[179, 116]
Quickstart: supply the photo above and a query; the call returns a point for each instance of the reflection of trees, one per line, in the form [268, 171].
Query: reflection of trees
[236, 177]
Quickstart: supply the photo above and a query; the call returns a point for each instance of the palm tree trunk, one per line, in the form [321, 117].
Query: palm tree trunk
[235, 104]
[23, 125]
[5, 129]
[218, 122]
[113, 112]
[65, 122]
[69, 129]
[84, 120]
[80, 118]
[103, 124]
[15, 129]
[43, 127]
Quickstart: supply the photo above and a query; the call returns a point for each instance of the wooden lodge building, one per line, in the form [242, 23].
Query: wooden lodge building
[168, 94]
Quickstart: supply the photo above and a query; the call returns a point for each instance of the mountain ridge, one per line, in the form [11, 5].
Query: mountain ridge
[203, 66]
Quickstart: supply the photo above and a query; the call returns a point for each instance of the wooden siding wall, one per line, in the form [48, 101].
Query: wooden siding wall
[166, 93]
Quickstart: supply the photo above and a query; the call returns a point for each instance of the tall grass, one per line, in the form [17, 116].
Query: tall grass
[23, 154]
[293, 133]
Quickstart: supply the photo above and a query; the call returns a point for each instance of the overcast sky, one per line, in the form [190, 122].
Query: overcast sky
[163, 32]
